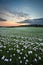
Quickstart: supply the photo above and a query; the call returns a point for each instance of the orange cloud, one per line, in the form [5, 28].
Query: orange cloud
[10, 23]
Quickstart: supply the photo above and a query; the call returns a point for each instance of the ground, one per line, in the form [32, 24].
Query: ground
[21, 46]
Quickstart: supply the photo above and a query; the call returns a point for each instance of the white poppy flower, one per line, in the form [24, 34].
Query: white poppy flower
[3, 57]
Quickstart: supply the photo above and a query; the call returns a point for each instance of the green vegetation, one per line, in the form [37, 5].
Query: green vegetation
[21, 46]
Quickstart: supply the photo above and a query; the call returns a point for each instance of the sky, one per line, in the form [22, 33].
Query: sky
[13, 11]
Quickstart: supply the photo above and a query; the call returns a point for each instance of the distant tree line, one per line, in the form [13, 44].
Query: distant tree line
[22, 26]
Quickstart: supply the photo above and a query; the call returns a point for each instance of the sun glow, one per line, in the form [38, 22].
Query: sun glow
[10, 23]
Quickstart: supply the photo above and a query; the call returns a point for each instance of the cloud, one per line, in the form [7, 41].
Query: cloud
[15, 16]
[33, 21]
[1, 19]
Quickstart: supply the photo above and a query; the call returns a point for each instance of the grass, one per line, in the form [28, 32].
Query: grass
[21, 46]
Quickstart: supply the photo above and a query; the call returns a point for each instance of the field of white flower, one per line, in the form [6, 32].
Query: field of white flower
[21, 46]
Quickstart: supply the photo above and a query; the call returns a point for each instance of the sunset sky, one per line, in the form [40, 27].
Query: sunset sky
[13, 11]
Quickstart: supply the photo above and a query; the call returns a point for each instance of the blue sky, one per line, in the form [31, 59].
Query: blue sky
[21, 9]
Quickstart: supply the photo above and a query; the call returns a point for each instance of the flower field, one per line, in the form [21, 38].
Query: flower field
[21, 46]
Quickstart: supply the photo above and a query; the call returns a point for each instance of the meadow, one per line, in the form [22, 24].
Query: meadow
[21, 46]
